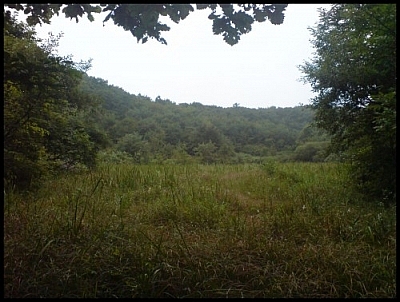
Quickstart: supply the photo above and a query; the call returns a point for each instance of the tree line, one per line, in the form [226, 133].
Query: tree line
[155, 129]
[56, 117]
[53, 116]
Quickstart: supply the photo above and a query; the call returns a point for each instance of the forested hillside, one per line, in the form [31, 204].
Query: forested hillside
[56, 118]
[159, 129]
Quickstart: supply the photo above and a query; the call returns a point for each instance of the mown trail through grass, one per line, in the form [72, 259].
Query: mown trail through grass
[268, 230]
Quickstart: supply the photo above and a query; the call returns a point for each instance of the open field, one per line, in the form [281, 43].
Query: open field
[267, 230]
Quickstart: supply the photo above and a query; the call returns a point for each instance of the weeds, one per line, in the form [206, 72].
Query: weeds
[268, 230]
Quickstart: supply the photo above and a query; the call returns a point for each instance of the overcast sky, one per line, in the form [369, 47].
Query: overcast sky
[197, 66]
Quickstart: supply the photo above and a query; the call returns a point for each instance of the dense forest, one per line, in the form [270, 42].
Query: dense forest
[159, 129]
[57, 118]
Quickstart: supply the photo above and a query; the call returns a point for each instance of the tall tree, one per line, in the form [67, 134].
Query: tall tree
[142, 20]
[353, 72]
[41, 106]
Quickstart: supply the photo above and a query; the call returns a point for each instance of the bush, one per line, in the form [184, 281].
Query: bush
[114, 156]
[22, 172]
[311, 152]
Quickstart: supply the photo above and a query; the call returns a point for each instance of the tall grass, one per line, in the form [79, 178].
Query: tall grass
[266, 230]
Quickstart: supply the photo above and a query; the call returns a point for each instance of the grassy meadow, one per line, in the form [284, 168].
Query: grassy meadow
[189, 231]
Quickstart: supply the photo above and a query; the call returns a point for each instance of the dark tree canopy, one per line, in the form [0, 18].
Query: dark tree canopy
[45, 112]
[142, 20]
[354, 74]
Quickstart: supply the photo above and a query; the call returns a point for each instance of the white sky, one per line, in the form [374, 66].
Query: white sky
[197, 66]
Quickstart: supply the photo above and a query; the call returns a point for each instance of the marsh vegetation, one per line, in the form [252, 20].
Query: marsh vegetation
[252, 230]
